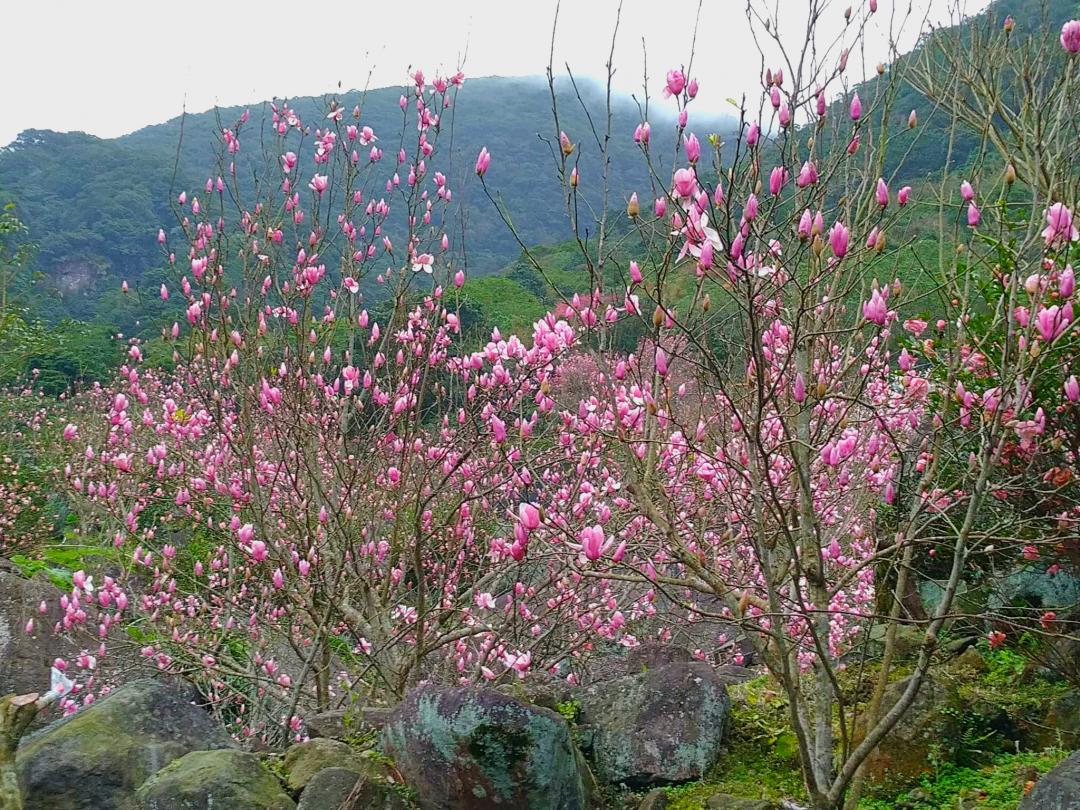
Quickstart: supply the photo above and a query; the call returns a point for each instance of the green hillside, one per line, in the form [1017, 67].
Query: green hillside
[93, 206]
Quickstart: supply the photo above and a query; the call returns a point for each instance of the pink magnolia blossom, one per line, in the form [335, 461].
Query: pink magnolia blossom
[875, 310]
[974, 216]
[693, 148]
[881, 194]
[1070, 36]
[676, 81]
[856, 107]
[753, 134]
[1059, 225]
[838, 239]
[483, 160]
[594, 543]
[685, 183]
[807, 175]
[1072, 389]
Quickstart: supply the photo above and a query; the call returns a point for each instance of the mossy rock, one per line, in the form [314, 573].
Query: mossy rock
[337, 789]
[1057, 790]
[340, 724]
[1061, 726]
[214, 780]
[467, 748]
[98, 757]
[661, 726]
[655, 799]
[724, 801]
[304, 760]
[904, 753]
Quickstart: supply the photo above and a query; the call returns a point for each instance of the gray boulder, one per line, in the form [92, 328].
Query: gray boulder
[1061, 726]
[655, 799]
[24, 659]
[541, 689]
[733, 675]
[467, 748]
[304, 760]
[343, 789]
[98, 757]
[1057, 790]
[214, 780]
[723, 801]
[636, 660]
[904, 754]
[661, 726]
[341, 723]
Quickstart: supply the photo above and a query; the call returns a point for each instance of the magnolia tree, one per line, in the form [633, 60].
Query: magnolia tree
[794, 440]
[316, 500]
[327, 495]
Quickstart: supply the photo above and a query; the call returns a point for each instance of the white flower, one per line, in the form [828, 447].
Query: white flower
[61, 685]
[425, 262]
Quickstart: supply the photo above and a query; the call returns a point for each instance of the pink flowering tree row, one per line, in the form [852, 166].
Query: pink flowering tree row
[327, 495]
[794, 440]
[322, 500]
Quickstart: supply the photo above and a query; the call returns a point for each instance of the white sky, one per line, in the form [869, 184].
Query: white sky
[112, 66]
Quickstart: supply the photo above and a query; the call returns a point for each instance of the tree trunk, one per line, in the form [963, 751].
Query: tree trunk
[16, 714]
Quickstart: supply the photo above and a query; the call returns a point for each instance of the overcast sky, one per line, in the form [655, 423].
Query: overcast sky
[112, 66]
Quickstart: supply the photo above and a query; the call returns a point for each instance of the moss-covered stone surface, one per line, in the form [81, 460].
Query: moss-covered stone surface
[304, 760]
[343, 789]
[96, 759]
[661, 726]
[478, 749]
[214, 780]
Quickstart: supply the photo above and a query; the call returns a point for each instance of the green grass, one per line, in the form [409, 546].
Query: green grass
[761, 761]
[747, 770]
[998, 786]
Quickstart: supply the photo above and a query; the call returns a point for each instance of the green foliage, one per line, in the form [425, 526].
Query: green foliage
[746, 770]
[58, 563]
[997, 786]
[52, 359]
[498, 301]
[95, 205]
[967, 738]
[759, 717]
[925, 150]
[1011, 686]
[569, 709]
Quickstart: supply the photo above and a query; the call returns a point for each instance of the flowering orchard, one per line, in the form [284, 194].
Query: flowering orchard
[327, 495]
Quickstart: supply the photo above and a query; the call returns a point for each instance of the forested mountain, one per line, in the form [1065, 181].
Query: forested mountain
[934, 139]
[93, 205]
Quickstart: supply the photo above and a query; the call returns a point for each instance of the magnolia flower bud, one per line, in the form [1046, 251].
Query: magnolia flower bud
[1010, 174]
[633, 208]
[657, 317]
